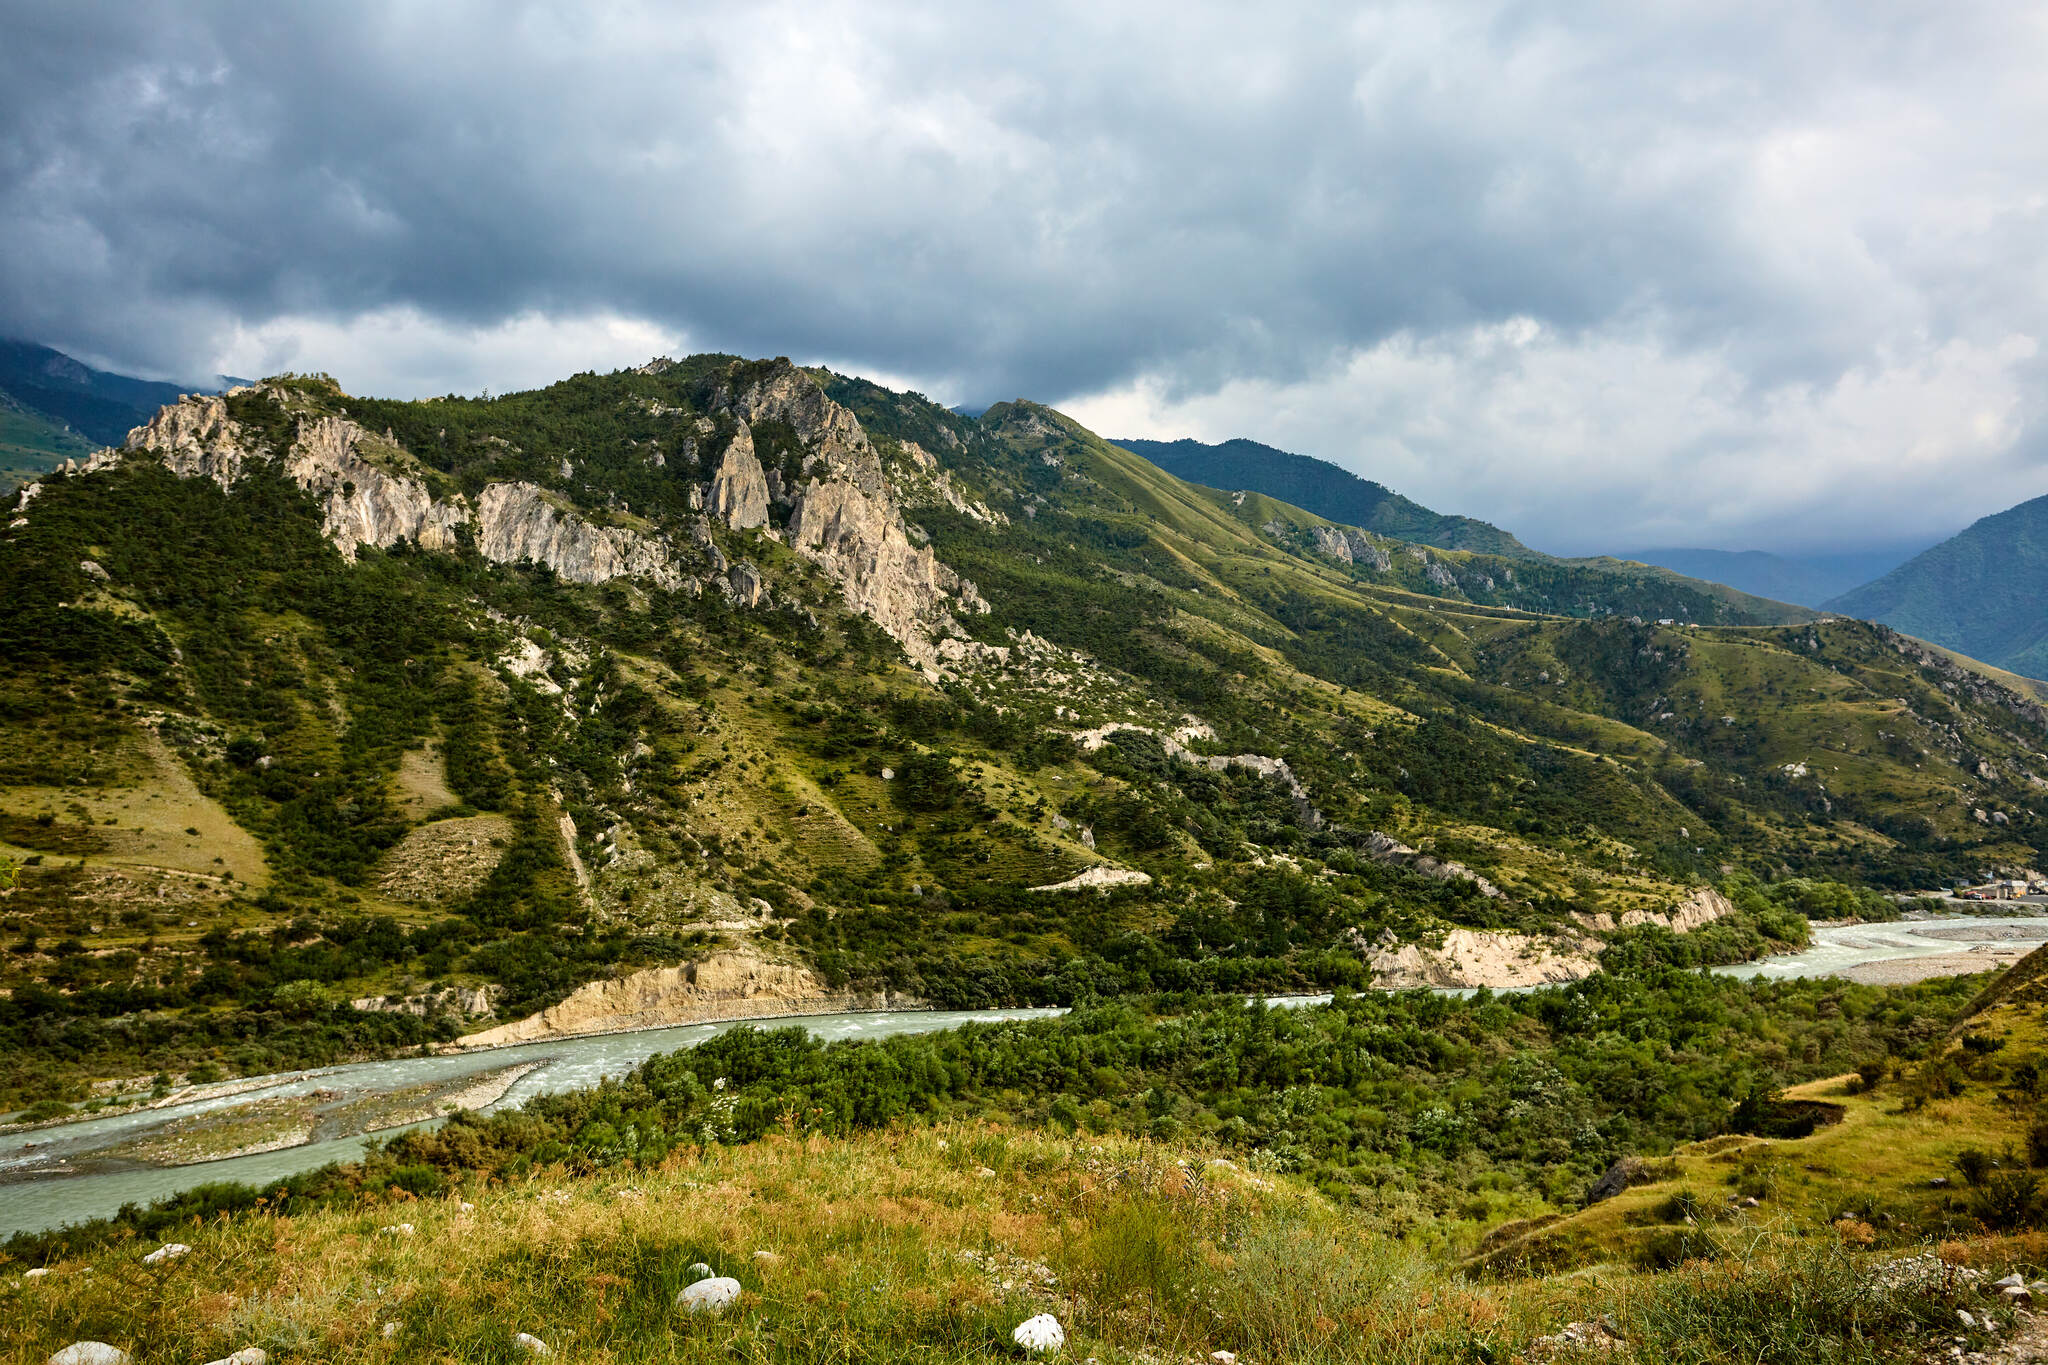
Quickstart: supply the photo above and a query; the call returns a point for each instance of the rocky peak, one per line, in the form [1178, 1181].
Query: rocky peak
[830, 435]
[194, 439]
[739, 491]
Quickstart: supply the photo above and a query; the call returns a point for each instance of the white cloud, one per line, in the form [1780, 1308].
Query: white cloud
[1613, 442]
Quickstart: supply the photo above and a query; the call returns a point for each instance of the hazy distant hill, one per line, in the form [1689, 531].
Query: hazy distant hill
[1983, 592]
[99, 406]
[1321, 487]
[1809, 580]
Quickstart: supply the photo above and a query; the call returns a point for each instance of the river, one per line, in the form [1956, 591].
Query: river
[72, 1172]
[90, 1168]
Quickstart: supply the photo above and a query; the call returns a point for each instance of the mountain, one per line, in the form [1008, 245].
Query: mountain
[1809, 580]
[53, 407]
[336, 724]
[1322, 488]
[1982, 592]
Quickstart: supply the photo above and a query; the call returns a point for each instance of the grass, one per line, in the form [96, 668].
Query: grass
[927, 1245]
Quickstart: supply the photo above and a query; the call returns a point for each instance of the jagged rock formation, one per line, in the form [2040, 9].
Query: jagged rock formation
[723, 986]
[195, 439]
[519, 521]
[739, 491]
[360, 504]
[1352, 546]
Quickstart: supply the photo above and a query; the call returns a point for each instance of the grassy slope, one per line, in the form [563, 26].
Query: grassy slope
[1885, 1175]
[918, 1245]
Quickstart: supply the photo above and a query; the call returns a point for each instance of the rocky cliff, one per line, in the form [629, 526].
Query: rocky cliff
[723, 986]
[843, 515]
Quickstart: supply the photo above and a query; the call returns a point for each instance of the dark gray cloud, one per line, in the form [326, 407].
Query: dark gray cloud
[1197, 217]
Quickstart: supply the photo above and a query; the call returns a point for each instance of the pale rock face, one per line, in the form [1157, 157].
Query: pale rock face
[860, 541]
[194, 439]
[1473, 957]
[1701, 908]
[831, 434]
[516, 521]
[1352, 547]
[722, 986]
[360, 504]
[739, 491]
[745, 586]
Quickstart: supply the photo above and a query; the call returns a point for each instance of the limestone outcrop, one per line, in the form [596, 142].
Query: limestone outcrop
[361, 504]
[1696, 911]
[194, 439]
[1351, 546]
[739, 491]
[520, 521]
[723, 986]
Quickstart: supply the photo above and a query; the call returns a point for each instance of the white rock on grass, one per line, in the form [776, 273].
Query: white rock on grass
[767, 1258]
[714, 1295]
[1040, 1335]
[390, 1330]
[248, 1355]
[532, 1344]
[398, 1229]
[90, 1353]
[35, 1274]
[169, 1251]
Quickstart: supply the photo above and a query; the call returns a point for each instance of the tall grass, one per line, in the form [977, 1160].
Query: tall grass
[912, 1248]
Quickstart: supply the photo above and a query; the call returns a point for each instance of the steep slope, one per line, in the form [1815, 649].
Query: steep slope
[1809, 580]
[307, 698]
[1322, 488]
[1983, 591]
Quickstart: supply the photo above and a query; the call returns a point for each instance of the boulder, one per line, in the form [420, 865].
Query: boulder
[90, 1353]
[532, 1344]
[169, 1251]
[714, 1295]
[1041, 1335]
[699, 1271]
[248, 1355]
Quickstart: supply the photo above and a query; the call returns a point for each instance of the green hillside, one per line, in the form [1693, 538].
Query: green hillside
[313, 697]
[1324, 489]
[1983, 592]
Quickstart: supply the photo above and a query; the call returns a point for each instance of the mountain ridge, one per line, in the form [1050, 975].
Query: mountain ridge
[1980, 592]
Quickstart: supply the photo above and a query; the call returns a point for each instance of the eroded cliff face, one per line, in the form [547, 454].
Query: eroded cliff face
[723, 986]
[194, 439]
[361, 504]
[844, 517]
[521, 521]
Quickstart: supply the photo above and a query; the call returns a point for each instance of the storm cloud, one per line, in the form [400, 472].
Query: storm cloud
[1611, 275]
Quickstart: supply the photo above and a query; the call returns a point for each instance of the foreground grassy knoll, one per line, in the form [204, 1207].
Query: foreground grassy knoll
[930, 1246]
[1896, 1153]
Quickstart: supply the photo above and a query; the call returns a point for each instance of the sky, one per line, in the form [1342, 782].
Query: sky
[1614, 276]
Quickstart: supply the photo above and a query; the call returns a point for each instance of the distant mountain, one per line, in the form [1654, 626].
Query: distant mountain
[1982, 592]
[1321, 487]
[53, 407]
[1808, 580]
